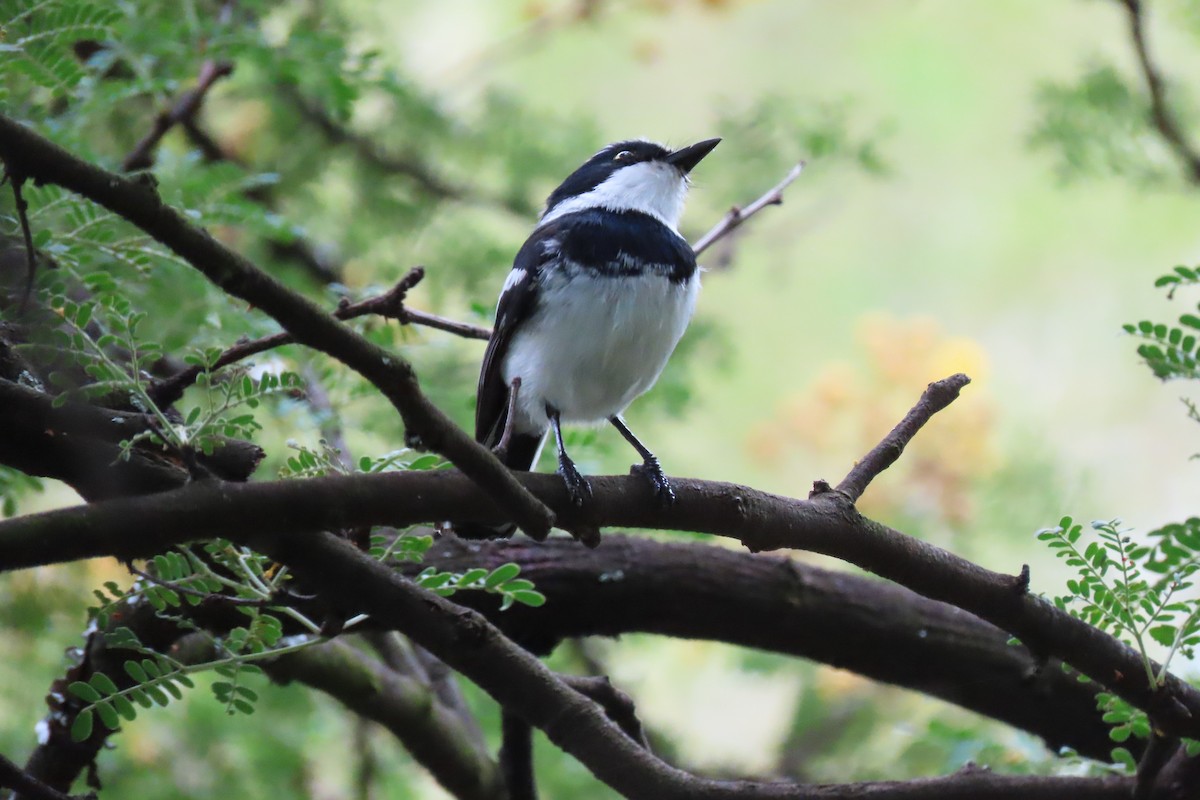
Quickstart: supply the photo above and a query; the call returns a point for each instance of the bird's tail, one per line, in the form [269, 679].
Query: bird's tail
[522, 453]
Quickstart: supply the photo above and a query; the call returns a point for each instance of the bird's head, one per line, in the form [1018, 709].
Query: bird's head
[630, 176]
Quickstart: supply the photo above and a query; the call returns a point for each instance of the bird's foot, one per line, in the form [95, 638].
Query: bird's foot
[577, 486]
[654, 473]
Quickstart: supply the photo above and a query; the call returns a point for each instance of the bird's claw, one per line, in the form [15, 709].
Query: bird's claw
[662, 485]
[577, 486]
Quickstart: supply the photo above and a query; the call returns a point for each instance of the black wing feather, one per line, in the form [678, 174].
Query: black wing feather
[516, 305]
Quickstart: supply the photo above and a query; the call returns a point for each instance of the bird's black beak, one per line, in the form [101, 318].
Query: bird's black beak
[685, 158]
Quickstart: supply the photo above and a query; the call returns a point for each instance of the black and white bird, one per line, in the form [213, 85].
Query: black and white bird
[598, 297]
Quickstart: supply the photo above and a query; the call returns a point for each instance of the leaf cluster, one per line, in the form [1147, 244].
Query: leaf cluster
[1099, 126]
[1170, 351]
[1138, 592]
[502, 580]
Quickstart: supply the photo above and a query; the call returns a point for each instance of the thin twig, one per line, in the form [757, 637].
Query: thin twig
[374, 155]
[937, 396]
[142, 155]
[17, 182]
[389, 305]
[736, 216]
[464, 329]
[1160, 112]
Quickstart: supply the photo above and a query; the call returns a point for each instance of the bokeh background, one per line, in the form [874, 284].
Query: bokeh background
[981, 195]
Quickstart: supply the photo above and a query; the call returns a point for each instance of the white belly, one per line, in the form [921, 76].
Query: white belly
[595, 344]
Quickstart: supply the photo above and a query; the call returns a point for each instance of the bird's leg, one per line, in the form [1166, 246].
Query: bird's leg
[577, 486]
[649, 466]
[501, 448]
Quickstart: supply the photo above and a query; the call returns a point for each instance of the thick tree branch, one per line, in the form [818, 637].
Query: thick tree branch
[137, 202]
[876, 629]
[1161, 113]
[432, 733]
[761, 521]
[519, 681]
[79, 444]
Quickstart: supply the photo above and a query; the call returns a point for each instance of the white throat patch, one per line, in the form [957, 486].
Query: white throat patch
[652, 187]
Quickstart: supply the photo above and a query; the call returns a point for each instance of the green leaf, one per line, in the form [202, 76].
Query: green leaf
[1122, 756]
[108, 715]
[157, 695]
[1163, 634]
[502, 574]
[471, 576]
[135, 671]
[84, 691]
[435, 580]
[81, 728]
[529, 597]
[103, 684]
[125, 708]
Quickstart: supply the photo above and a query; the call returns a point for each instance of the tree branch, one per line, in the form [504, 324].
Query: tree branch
[138, 203]
[693, 591]
[431, 732]
[15, 778]
[760, 521]
[736, 216]
[937, 396]
[523, 685]
[184, 110]
[389, 305]
[1161, 113]
[22, 207]
[409, 166]
[79, 444]
[617, 705]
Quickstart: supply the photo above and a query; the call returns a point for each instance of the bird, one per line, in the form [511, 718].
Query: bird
[596, 301]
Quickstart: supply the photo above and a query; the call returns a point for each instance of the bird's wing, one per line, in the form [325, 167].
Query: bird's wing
[518, 300]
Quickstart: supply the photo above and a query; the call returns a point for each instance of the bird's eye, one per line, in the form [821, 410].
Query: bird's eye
[623, 157]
